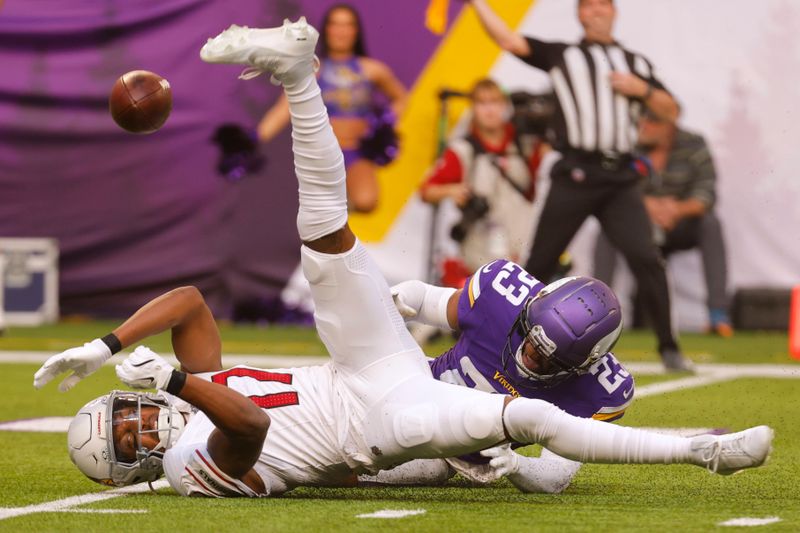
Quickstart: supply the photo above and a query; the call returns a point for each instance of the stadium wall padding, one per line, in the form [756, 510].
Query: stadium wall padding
[137, 215]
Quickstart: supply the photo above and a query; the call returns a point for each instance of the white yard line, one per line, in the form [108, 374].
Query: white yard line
[104, 511]
[791, 371]
[750, 522]
[708, 374]
[690, 382]
[285, 361]
[392, 513]
[47, 424]
[67, 503]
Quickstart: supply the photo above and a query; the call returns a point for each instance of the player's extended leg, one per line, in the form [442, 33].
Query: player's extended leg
[428, 418]
[592, 441]
[354, 312]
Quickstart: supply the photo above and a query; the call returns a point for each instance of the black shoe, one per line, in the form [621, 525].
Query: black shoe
[675, 361]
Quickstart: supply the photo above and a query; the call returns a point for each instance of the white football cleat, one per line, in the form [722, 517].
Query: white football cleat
[286, 52]
[727, 454]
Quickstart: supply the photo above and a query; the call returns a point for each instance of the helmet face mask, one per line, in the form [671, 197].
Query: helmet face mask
[567, 327]
[554, 371]
[95, 450]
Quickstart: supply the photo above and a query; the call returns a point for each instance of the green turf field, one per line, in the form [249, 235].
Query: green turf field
[745, 347]
[35, 469]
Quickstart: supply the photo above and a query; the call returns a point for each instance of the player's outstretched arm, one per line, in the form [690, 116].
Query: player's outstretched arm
[498, 30]
[195, 339]
[195, 336]
[241, 426]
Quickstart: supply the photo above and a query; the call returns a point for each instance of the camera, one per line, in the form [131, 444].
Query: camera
[533, 113]
[474, 210]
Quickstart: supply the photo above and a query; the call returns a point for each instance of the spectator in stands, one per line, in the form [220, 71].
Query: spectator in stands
[490, 174]
[680, 193]
[356, 89]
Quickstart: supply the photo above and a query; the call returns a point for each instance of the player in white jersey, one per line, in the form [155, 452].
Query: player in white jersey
[307, 434]
[373, 406]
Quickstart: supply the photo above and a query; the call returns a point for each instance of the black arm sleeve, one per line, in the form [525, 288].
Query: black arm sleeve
[646, 72]
[653, 80]
[544, 55]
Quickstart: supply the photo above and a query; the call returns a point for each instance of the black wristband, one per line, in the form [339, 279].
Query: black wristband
[176, 382]
[112, 342]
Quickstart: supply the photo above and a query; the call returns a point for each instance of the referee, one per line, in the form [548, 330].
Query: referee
[601, 89]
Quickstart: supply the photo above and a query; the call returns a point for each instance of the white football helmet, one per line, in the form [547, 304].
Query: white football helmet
[90, 438]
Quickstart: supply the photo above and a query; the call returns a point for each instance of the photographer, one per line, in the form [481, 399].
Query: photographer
[490, 175]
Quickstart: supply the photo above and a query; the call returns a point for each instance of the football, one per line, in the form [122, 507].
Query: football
[140, 101]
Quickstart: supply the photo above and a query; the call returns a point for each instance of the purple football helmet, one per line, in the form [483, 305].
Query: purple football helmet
[570, 324]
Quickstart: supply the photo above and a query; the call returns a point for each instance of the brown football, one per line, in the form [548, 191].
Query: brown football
[140, 101]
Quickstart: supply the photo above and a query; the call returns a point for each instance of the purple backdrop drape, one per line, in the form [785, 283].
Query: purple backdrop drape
[137, 215]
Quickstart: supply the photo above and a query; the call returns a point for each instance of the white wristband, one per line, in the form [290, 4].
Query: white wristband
[434, 306]
[424, 303]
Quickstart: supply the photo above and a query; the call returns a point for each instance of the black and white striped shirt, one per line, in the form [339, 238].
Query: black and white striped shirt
[591, 116]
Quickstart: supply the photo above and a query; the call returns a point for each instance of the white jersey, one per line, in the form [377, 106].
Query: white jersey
[374, 406]
[308, 421]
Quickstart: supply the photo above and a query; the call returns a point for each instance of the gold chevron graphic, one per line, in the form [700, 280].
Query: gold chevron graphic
[465, 54]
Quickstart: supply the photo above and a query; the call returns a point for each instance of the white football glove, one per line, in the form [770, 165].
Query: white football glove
[83, 361]
[423, 303]
[505, 461]
[405, 310]
[145, 369]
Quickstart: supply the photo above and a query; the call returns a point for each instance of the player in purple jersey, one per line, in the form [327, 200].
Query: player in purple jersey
[491, 313]
[488, 308]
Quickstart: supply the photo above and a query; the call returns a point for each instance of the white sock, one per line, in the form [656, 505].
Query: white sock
[424, 472]
[587, 440]
[548, 473]
[318, 162]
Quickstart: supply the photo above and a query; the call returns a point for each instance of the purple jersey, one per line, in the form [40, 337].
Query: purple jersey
[490, 303]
